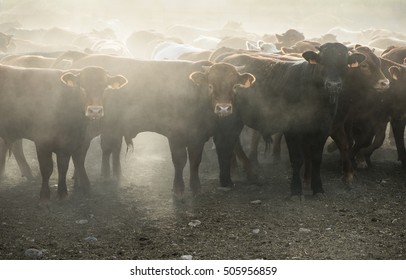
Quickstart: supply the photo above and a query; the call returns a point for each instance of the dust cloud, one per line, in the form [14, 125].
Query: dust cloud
[313, 18]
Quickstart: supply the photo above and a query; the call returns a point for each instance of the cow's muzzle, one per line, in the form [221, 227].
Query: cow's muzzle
[334, 88]
[382, 85]
[223, 109]
[94, 112]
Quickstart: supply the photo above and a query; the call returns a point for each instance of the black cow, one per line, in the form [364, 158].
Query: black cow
[297, 98]
[184, 101]
[52, 108]
[397, 73]
[361, 100]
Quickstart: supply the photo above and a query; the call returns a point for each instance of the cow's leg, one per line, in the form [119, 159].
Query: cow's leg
[363, 138]
[18, 152]
[398, 128]
[109, 143]
[316, 148]
[3, 155]
[116, 161]
[276, 146]
[62, 160]
[253, 153]
[294, 144]
[81, 180]
[246, 164]
[195, 157]
[365, 153]
[225, 148]
[46, 165]
[341, 140]
[179, 158]
[307, 177]
[105, 166]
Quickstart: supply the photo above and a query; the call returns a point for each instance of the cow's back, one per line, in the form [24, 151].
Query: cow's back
[159, 96]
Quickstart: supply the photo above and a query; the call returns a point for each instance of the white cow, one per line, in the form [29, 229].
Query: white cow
[172, 50]
[262, 47]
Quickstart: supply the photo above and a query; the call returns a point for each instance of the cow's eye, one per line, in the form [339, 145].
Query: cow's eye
[211, 88]
[235, 87]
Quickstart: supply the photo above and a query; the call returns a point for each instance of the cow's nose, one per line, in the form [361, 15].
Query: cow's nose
[94, 112]
[223, 109]
[383, 84]
[334, 86]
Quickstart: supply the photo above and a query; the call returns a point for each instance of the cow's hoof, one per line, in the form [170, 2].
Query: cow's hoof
[320, 196]
[228, 185]
[254, 179]
[296, 198]
[62, 195]
[196, 192]
[348, 179]
[178, 196]
[45, 195]
[276, 159]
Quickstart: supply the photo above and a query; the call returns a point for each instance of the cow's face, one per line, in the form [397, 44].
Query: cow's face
[221, 81]
[371, 74]
[93, 82]
[332, 63]
[398, 81]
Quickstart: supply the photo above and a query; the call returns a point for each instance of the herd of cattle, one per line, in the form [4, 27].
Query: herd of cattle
[61, 89]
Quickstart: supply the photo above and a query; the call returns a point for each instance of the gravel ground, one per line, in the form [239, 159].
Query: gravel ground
[141, 220]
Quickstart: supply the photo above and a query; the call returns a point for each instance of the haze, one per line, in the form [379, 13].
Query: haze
[258, 16]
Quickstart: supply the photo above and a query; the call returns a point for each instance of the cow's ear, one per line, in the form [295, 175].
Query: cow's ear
[279, 38]
[116, 82]
[199, 78]
[311, 57]
[246, 80]
[394, 71]
[70, 79]
[355, 59]
[250, 46]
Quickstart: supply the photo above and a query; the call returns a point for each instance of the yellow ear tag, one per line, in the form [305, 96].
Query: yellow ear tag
[70, 83]
[354, 65]
[312, 61]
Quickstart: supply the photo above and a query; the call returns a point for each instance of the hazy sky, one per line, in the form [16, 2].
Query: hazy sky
[261, 16]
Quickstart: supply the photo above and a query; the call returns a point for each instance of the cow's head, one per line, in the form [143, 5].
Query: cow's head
[221, 81]
[93, 82]
[398, 81]
[370, 73]
[332, 62]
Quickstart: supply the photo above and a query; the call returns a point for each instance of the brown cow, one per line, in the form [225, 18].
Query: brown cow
[289, 38]
[50, 108]
[34, 61]
[364, 89]
[27, 61]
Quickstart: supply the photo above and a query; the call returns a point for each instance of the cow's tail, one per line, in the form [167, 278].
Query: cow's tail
[268, 141]
[69, 55]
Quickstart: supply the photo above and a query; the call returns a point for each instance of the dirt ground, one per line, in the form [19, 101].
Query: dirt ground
[141, 220]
